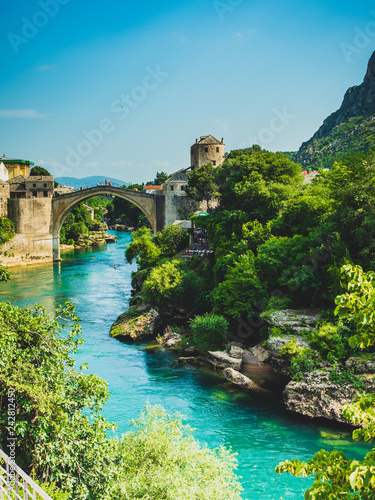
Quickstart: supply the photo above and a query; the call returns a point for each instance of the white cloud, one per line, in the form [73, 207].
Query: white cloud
[121, 163]
[250, 32]
[162, 164]
[22, 113]
[47, 67]
[50, 162]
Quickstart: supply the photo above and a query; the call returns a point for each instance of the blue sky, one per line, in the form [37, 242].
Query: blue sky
[123, 88]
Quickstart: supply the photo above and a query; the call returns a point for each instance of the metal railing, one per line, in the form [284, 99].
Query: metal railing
[15, 484]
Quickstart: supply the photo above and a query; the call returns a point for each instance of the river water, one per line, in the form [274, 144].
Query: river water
[257, 428]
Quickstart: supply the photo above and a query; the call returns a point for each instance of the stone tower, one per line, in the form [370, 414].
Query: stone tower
[207, 150]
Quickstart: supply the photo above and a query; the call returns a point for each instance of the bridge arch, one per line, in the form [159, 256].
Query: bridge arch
[62, 204]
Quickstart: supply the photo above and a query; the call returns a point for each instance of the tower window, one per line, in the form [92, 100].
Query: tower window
[35, 194]
[206, 150]
[182, 188]
[34, 185]
[45, 184]
[217, 150]
[45, 194]
[213, 162]
[172, 187]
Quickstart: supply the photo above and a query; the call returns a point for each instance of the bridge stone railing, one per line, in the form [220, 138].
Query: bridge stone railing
[15, 484]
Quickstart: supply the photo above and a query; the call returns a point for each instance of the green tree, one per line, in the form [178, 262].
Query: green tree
[241, 289]
[59, 429]
[160, 178]
[258, 182]
[142, 248]
[359, 303]
[351, 185]
[39, 171]
[162, 461]
[202, 185]
[172, 239]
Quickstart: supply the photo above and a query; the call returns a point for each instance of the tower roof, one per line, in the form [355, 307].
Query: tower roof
[208, 139]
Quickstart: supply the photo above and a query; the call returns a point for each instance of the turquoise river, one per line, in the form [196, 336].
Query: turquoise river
[257, 428]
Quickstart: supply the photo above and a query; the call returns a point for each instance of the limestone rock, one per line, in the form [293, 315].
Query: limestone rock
[191, 351]
[236, 352]
[241, 380]
[190, 360]
[133, 325]
[260, 353]
[293, 321]
[173, 340]
[316, 396]
[275, 344]
[361, 364]
[221, 359]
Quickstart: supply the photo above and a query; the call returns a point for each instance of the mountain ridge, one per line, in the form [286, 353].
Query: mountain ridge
[349, 129]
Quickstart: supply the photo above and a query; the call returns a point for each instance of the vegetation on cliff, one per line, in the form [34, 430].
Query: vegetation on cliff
[354, 135]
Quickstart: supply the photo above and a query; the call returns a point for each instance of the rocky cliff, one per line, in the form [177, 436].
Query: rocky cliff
[343, 130]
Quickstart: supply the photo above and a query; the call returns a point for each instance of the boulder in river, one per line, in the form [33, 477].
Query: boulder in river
[242, 381]
[133, 325]
[220, 359]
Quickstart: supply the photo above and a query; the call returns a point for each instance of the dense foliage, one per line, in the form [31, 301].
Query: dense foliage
[78, 222]
[62, 438]
[202, 184]
[6, 230]
[162, 461]
[277, 244]
[4, 275]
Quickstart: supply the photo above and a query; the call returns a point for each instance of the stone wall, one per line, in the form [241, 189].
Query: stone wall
[4, 196]
[31, 215]
[26, 248]
[179, 208]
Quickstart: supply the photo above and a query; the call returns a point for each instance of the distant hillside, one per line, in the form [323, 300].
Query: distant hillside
[349, 129]
[89, 181]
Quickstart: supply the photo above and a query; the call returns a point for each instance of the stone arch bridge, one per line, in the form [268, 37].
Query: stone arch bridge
[38, 220]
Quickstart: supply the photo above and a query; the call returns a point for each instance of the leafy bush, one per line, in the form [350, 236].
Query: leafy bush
[162, 284]
[4, 275]
[209, 330]
[162, 461]
[301, 359]
[329, 341]
[241, 289]
[6, 230]
[170, 283]
[142, 248]
[171, 239]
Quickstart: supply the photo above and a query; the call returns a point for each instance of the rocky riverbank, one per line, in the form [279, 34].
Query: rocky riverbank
[317, 390]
